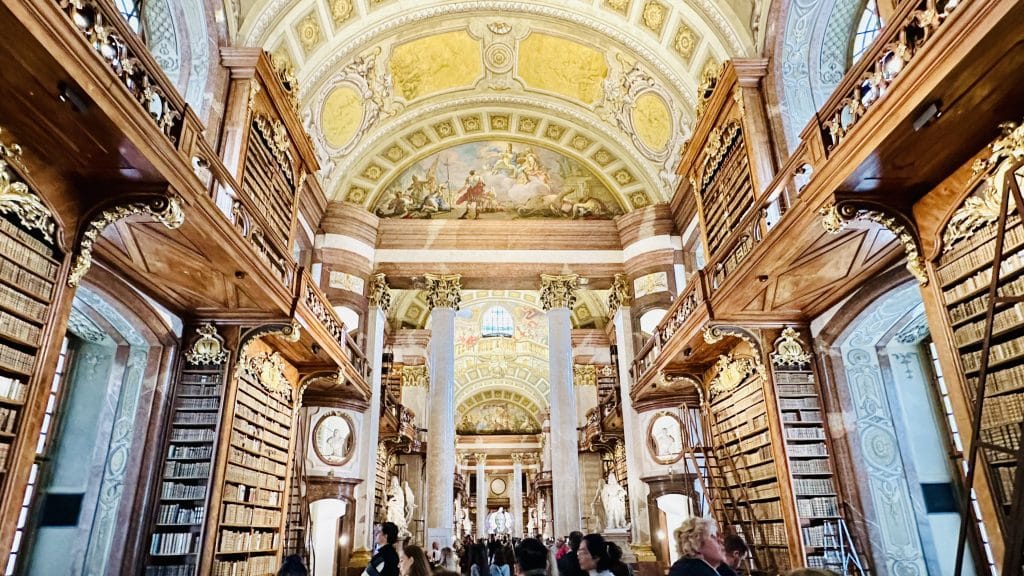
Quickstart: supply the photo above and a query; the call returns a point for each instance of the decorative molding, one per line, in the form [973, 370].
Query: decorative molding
[834, 218]
[789, 350]
[619, 98]
[164, 209]
[443, 290]
[82, 326]
[379, 293]
[208, 348]
[620, 294]
[481, 458]
[584, 374]
[730, 373]
[415, 377]
[719, 143]
[558, 290]
[276, 137]
[18, 200]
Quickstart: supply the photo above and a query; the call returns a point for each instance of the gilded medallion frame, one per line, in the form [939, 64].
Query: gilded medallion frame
[350, 442]
[652, 445]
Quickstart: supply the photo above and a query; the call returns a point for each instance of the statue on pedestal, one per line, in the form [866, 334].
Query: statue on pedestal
[400, 506]
[467, 524]
[499, 522]
[613, 498]
[531, 525]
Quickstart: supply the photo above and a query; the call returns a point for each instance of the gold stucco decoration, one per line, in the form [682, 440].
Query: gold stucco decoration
[789, 350]
[654, 15]
[415, 377]
[620, 6]
[341, 11]
[435, 64]
[308, 32]
[685, 42]
[208, 348]
[558, 290]
[584, 374]
[378, 292]
[621, 293]
[443, 290]
[16, 198]
[562, 66]
[730, 372]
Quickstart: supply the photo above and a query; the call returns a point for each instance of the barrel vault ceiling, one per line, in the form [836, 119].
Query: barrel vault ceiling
[608, 87]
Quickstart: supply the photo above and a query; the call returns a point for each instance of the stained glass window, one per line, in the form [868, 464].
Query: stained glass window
[497, 322]
[867, 29]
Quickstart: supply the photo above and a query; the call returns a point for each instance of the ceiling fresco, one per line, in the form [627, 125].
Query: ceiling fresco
[386, 84]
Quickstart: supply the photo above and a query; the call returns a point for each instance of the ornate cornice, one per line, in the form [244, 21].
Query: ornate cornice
[415, 377]
[558, 290]
[443, 290]
[378, 292]
[164, 209]
[621, 294]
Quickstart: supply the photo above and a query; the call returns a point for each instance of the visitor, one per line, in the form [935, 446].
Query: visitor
[561, 548]
[735, 551]
[593, 556]
[478, 560]
[619, 568]
[569, 563]
[435, 554]
[531, 558]
[447, 561]
[701, 552]
[293, 566]
[412, 561]
[499, 565]
[385, 561]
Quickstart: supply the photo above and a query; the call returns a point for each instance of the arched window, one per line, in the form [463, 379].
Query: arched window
[497, 322]
[868, 27]
[131, 11]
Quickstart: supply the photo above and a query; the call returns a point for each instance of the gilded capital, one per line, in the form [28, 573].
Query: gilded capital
[584, 374]
[379, 293]
[620, 293]
[443, 290]
[558, 291]
[415, 377]
[518, 457]
[481, 458]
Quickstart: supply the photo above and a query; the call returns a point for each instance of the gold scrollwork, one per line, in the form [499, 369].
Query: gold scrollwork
[558, 290]
[208, 348]
[276, 136]
[620, 294]
[415, 377]
[379, 293]
[789, 350]
[584, 374]
[17, 199]
[164, 209]
[269, 369]
[444, 290]
[730, 372]
[834, 218]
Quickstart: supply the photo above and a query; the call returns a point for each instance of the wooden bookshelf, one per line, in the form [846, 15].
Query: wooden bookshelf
[726, 190]
[256, 458]
[182, 501]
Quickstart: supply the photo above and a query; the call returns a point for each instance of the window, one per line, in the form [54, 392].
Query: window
[497, 322]
[131, 11]
[867, 29]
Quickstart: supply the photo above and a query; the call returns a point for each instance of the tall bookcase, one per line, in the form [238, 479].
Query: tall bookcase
[741, 436]
[190, 450]
[251, 514]
[964, 272]
[726, 191]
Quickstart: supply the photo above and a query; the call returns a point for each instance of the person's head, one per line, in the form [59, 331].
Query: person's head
[559, 542]
[435, 545]
[614, 552]
[412, 561]
[388, 533]
[698, 537]
[293, 566]
[575, 537]
[593, 553]
[735, 550]
[478, 556]
[531, 555]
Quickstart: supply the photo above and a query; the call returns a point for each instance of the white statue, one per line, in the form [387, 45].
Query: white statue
[613, 497]
[500, 522]
[542, 518]
[400, 506]
[531, 525]
[467, 524]
[457, 519]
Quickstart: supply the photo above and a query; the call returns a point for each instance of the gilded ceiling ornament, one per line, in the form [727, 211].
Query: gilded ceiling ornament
[308, 31]
[730, 373]
[558, 291]
[164, 209]
[208, 348]
[341, 11]
[499, 28]
[621, 294]
[379, 293]
[443, 290]
[654, 15]
[712, 334]
[16, 198]
[789, 350]
[584, 374]
[685, 42]
[634, 102]
[415, 377]
[620, 6]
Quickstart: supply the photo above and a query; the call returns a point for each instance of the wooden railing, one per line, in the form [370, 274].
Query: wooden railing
[686, 305]
[313, 305]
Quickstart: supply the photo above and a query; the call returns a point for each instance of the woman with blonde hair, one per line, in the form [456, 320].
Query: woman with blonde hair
[700, 552]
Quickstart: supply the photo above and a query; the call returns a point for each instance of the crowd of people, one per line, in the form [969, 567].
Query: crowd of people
[702, 552]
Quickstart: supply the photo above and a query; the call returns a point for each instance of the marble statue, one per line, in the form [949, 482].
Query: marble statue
[400, 505]
[542, 518]
[500, 522]
[531, 525]
[613, 497]
[467, 524]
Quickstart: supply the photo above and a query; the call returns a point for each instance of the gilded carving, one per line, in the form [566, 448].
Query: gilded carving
[254, 90]
[518, 457]
[481, 458]
[620, 294]
[706, 86]
[638, 106]
[835, 216]
[720, 141]
[276, 137]
[379, 292]
[164, 209]
[208, 348]
[978, 211]
[654, 15]
[443, 290]
[18, 200]
[558, 291]
[789, 350]
[269, 369]
[341, 11]
[415, 377]
[831, 220]
[308, 32]
[584, 374]
[285, 71]
[685, 42]
[730, 372]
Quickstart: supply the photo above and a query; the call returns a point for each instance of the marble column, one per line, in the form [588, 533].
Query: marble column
[443, 298]
[640, 541]
[558, 294]
[379, 295]
[517, 495]
[481, 495]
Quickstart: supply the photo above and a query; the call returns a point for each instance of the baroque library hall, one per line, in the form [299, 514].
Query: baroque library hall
[512, 287]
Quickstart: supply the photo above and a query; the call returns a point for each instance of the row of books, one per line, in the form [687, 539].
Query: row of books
[181, 515]
[174, 543]
[260, 566]
[27, 257]
[982, 255]
[179, 469]
[14, 231]
[241, 514]
[25, 281]
[13, 388]
[16, 359]
[247, 541]
[15, 301]
[8, 420]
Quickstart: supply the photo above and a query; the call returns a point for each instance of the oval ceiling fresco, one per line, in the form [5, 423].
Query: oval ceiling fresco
[497, 180]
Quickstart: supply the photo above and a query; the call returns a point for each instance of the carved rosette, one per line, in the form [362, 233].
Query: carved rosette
[444, 290]
[208, 348]
[379, 293]
[415, 377]
[620, 294]
[18, 200]
[164, 209]
[789, 350]
[584, 374]
[558, 291]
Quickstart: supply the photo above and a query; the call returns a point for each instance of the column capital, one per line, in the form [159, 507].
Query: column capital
[443, 290]
[463, 460]
[481, 458]
[378, 292]
[584, 374]
[518, 457]
[621, 294]
[558, 290]
[415, 376]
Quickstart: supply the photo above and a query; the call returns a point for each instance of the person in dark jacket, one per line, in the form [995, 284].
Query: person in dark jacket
[531, 558]
[569, 564]
[618, 568]
[700, 552]
[385, 561]
[293, 566]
